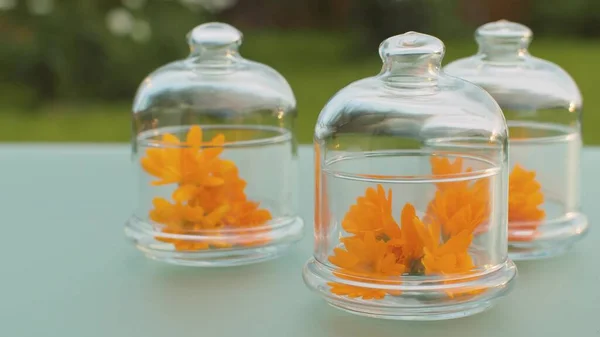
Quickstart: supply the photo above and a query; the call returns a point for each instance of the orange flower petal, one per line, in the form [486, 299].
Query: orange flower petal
[194, 136]
[184, 193]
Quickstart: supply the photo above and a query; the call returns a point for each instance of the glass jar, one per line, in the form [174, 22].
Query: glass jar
[215, 154]
[411, 170]
[542, 106]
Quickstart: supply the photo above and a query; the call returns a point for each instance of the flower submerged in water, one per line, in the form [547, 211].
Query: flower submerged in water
[524, 196]
[210, 193]
[367, 256]
[188, 162]
[458, 206]
[186, 216]
[525, 199]
[364, 257]
[372, 213]
[441, 166]
[465, 206]
[381, 251]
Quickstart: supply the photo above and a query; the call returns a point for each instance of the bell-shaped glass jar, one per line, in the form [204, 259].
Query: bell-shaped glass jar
[215, 154]
[542, 106]
[410, 212]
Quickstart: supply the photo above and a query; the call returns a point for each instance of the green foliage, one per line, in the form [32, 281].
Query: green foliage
[71, 54]
[375, 20]
[313, 64]
[559, 17]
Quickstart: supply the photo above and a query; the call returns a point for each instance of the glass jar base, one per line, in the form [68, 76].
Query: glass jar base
[409, 314]
[549, 239]
[280, 239]
[217, 259]
[412, 300]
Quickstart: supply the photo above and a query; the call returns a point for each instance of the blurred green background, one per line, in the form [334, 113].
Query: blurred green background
[70, 68]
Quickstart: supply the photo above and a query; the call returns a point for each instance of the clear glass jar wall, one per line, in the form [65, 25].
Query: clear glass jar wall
[207, 132]
[410, 209]
[542, 105]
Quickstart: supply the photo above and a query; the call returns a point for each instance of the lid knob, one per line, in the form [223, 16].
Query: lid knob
[411, 43]
[412, 54]
[214, 35]
[504, 34]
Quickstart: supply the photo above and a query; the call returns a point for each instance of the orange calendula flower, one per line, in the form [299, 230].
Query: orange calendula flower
[189, 217]
[524, 196]
[372, 213]
[364, 257]
[449, 257]
[242, 212]
[185, 162]
[461, 209]
[184, 220]
[246, 214]
[190, 245]
[458, 206]
[408, 246]
[525, 199]
[210, 193]
[353, 291]
[381, 251]
[441, 166]
[424, 242]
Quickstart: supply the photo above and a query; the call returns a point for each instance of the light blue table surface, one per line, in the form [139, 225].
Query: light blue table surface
[68, 271]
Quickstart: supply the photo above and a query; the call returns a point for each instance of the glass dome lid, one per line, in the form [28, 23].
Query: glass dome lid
[542, 106]
[206, 132]
[410, 207]
[411, 97]
[216, 79]
[506, 69]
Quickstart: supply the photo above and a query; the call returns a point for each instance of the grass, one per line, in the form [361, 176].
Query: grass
[316, 65]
